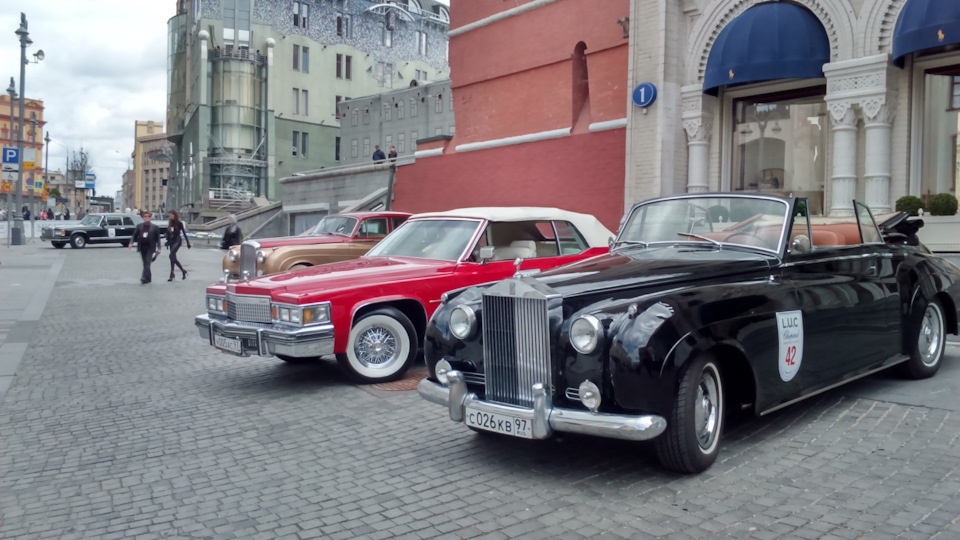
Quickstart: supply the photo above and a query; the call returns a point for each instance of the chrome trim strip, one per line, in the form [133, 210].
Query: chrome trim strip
[903, 358]
[832, 258]
[545, 418]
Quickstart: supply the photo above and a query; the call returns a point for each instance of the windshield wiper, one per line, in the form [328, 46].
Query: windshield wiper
[630, 243]
[701, 237]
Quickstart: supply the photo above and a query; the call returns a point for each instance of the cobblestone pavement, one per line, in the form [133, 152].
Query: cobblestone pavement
[121, 423]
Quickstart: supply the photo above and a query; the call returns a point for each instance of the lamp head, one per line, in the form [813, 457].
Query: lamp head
[39, 55]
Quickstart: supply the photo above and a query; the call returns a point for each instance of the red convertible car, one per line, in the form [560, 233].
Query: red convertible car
[371, 312]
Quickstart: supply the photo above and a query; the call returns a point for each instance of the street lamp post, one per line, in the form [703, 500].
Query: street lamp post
[46, 166]
[17, 232]
[12, 91]
[30, 188]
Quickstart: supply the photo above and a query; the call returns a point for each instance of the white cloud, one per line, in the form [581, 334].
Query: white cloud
[105, 68]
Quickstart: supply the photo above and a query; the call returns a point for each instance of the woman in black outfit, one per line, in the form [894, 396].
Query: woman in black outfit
[175, 229]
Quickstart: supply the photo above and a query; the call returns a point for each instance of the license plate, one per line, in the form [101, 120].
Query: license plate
[226, 343]
[499, 423]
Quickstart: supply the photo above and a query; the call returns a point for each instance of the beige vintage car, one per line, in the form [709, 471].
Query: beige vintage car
[337, 237]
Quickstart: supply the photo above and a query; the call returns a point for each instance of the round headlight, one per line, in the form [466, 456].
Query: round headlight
[589, 395]
[585, 334]
[261, 256]
[443, 367]
[232, 255]
[463, 321]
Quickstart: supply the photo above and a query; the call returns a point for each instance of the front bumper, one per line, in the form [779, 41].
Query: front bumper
[544, 418]
[268, 340]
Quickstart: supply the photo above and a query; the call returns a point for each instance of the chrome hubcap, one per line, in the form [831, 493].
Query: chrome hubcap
[706, 413]
[377, 347]
[930, 340]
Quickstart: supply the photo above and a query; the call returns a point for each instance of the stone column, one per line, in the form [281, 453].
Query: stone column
[843, 181]
[698, 124]
[878, 120]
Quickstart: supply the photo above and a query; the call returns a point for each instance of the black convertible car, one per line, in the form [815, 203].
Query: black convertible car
[707, 303]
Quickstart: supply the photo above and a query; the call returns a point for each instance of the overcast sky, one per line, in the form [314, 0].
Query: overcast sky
[105, 68]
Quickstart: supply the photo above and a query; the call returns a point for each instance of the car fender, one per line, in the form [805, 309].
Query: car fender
[414, 308]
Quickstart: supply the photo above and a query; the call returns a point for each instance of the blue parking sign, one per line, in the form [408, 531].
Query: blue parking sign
[11, 155]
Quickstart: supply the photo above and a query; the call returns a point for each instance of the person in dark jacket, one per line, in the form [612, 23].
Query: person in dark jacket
[232, 235]
[393, 153]
[147, 237]
[176, 234]
[378, 155]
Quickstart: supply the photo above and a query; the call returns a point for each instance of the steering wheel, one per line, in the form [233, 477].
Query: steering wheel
[759, 242]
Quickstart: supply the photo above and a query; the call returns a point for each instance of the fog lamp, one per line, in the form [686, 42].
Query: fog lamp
[443, 367]
[589, 395]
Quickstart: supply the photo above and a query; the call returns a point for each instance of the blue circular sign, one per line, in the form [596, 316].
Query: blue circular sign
[644, 94]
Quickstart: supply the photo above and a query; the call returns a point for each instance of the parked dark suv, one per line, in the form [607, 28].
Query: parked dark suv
[93, 229]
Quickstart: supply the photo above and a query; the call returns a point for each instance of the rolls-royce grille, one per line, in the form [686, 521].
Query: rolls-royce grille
[248, 260]
[516, 348]
[248, 308]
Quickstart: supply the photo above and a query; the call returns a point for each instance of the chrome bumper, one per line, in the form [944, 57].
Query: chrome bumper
[544, 418]
[266, 340]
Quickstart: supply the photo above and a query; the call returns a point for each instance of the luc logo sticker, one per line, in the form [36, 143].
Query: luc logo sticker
[790, 338]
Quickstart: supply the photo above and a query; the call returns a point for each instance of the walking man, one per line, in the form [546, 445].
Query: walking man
[147, 237]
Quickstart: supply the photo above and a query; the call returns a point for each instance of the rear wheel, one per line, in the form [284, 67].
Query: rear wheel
[927, 353]
[381, 347]
[78, 241]
[692, 439]
[59, 245]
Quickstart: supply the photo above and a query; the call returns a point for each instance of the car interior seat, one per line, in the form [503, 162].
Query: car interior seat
[524, 249]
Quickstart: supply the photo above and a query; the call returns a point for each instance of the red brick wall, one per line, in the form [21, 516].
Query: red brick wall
[583, 173]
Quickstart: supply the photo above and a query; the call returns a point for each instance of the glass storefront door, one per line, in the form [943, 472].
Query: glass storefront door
[779, 145]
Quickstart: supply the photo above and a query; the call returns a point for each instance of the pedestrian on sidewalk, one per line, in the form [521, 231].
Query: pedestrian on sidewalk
[147, 237]
[232, 235]
[176, 229]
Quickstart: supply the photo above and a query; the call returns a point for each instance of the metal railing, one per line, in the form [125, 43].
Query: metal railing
[230, 194]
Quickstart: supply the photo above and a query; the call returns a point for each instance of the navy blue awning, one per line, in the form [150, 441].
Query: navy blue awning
[767, 42]
[925, 24]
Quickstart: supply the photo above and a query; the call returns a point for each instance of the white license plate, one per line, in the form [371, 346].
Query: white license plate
[499, 423]
[227, 344]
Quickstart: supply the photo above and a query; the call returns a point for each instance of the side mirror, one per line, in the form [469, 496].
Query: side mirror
[486, 253]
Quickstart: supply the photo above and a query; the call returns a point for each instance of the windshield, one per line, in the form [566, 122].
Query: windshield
[746, 221]
[90, 220]
[342, 225]
[444, 239]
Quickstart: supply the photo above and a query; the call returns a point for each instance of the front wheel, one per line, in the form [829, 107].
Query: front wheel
[692, 439]
[927, 353]
[78, 241]
[381, 347]
[59, 245]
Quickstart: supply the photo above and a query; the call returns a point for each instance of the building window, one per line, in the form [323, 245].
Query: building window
[779, 145]
[413, 141]
[355, 117]
[413, 107]
[388, 76]
[343, 26]
[421, 37]
[301, 13]
[421, 75]
[339, 66]
[296, 101]
[336, 106]
[438, 131]
[938, 134]
[366, 117]
[438, 104]
[366, 147]
[296, 58]
[296, 143]
[306, 103]
[379, 73]
[304, 146]
[305, 61]
[401, 143]
[353, 148]
[954, 93]
[452, 130]
[388, 141]
[400, 110]
[387, 40]
[336, 149]
[387, 112]
[348, 68]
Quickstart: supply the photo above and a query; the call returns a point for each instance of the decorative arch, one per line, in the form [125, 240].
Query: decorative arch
[836, 16]
[875, 29]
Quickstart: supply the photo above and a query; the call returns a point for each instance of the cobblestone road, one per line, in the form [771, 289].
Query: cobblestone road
[121, 423]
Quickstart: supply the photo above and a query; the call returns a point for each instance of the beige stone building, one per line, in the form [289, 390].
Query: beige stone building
[143, 129]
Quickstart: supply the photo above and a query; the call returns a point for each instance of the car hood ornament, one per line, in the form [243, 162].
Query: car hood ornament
[517, 262]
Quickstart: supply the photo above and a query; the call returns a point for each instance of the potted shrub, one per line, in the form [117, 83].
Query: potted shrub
[909, 204]
[940, 224]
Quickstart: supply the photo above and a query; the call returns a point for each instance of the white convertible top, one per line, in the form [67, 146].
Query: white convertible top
[590, 227]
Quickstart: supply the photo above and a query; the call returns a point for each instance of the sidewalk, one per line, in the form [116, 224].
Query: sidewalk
[28, 274]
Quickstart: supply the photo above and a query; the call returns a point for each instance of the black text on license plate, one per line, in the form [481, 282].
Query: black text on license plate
[499, 423]
[227, 344]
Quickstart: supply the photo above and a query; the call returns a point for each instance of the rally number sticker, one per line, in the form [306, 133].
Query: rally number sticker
[111, 232]
[790, 339]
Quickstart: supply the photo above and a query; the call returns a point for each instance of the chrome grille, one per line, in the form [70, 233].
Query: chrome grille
[516, 348]
[248, 308]
[248, 259]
